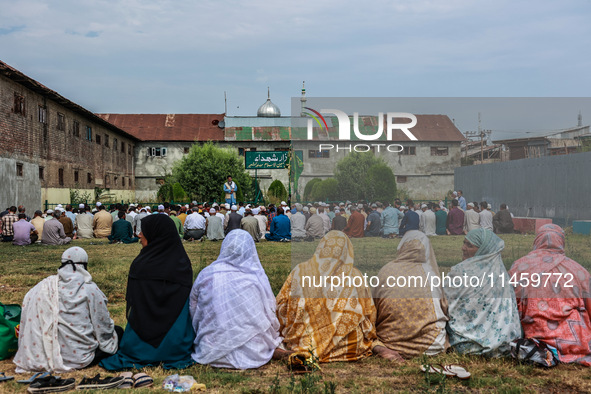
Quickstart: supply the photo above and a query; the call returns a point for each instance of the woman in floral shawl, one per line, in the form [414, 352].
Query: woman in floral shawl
[556, 310]
[483, 316]
[336, 324]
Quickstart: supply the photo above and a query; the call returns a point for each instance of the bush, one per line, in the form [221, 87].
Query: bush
[327, 189]
[382, 183]
[309, 187]
[277, 190]
[362, 176]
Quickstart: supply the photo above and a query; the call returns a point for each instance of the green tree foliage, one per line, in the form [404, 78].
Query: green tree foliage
[327, 189]
[277, 191]
[203, 172]
[78, 196]
[362, 176]
[309, 187]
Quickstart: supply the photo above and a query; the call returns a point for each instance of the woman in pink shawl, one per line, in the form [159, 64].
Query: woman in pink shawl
[554, 306]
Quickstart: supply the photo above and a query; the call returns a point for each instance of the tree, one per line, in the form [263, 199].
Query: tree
[309, 187]
[203, 172]
[277, 191]
[327, 189]
[362, 176]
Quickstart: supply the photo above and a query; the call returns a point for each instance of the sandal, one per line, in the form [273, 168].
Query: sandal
[142, 380]
[301, 362]
[38, 375]
[4, 378]
[51, 384]
[127, 380]
[454, 370]
[97, 383]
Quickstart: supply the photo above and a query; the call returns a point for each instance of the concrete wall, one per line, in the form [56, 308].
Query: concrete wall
[19, 190]
[556, 187]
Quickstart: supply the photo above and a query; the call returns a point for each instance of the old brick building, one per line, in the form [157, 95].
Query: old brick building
[49, 145]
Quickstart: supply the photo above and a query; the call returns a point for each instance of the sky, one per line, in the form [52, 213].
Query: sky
[146, 56]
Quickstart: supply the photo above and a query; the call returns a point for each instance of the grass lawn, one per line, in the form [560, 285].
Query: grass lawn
[23, 267]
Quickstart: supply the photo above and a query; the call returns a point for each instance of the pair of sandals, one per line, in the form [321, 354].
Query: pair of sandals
[452, 370]
[135, 381]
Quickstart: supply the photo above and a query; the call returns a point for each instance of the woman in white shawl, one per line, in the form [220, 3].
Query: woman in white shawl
[65, 324]
[483, 317]
[233, 308]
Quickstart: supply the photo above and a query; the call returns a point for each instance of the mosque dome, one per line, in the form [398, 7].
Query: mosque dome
[268, 109]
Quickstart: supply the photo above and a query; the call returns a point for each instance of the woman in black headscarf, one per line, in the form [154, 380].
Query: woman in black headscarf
[159, 329]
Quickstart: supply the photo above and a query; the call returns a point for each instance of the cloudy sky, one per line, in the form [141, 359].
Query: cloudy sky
[146, 56]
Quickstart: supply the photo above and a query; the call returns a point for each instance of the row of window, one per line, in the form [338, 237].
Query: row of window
[124, 180]
[20, 108]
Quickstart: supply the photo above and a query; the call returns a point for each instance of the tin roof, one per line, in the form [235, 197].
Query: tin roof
[170, 127]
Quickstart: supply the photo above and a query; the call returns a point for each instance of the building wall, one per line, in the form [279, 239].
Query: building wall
[19, 190]
[150, 169]
[554, 187]
[422, 175]
[24, 137]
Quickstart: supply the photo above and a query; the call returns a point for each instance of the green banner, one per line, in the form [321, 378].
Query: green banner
[254, 160]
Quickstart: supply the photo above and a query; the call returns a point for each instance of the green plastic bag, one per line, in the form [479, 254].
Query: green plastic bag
[10, 318]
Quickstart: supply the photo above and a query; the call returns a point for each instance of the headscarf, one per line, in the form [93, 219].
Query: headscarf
[488, 243]
[550, 237]
[232, 301]
[159, 281]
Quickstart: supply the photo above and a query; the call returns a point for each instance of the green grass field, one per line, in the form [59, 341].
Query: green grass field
[23, 267]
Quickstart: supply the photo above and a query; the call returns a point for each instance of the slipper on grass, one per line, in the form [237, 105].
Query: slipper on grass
[454, 370]
[4, 378]
[38, 375]
[51, 384]
[127, 380]
[142, 380]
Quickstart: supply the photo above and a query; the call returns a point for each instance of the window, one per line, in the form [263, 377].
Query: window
[114, 143]
[107, 181]
[129, 149]
[401, 179]
[88, 178]
[115, 180]
[160, 181]
[42, 114]
[186, 150]
[61, 122]
[75, 176]
[316, 154]
[41, 173]
[439, 151]
[158, 152]
[76, 128]
[88, 133]
[123, 181]
[409, 150]
[61, 176]
[19, 169]
[107, 140]
[98, 139]
[122, 147]
[19, 104]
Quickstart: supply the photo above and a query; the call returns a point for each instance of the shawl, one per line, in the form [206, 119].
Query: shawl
[233, 308]
[554, 306]
[159, 282]
[484, 317]
[336, 324]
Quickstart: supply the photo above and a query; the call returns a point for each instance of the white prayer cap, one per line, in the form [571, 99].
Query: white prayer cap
[143, 209]
[215, 204]
[81, 206]
[248, 206]
[132, 205]
[337, 210]
[256, 211]
[342, 204]
[98, 204]
[375, 205]
[75, 254]
[489, 206]
[234, 208]
[312, 210]
[161, 207]
[227, 206]
[194, 202]
[455, 193]
[359, 206]
[187, 206]
[59, 206]
[423, 206]
[306, 209]
[148, 208]
[471, 204]
[403, 207]
[283, 203]
[49, 211]
[298, 206]
[212, 211]
[94, 210]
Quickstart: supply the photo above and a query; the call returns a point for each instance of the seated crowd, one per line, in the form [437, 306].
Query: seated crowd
[229, 317]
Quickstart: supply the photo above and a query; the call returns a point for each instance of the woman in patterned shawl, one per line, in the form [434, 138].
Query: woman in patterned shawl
[557, 310]
[411, 319]
[483, 316]
[336, 324]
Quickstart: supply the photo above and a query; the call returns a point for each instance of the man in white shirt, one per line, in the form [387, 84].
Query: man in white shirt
[486, 217]
[195, 226]
[471, 218]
